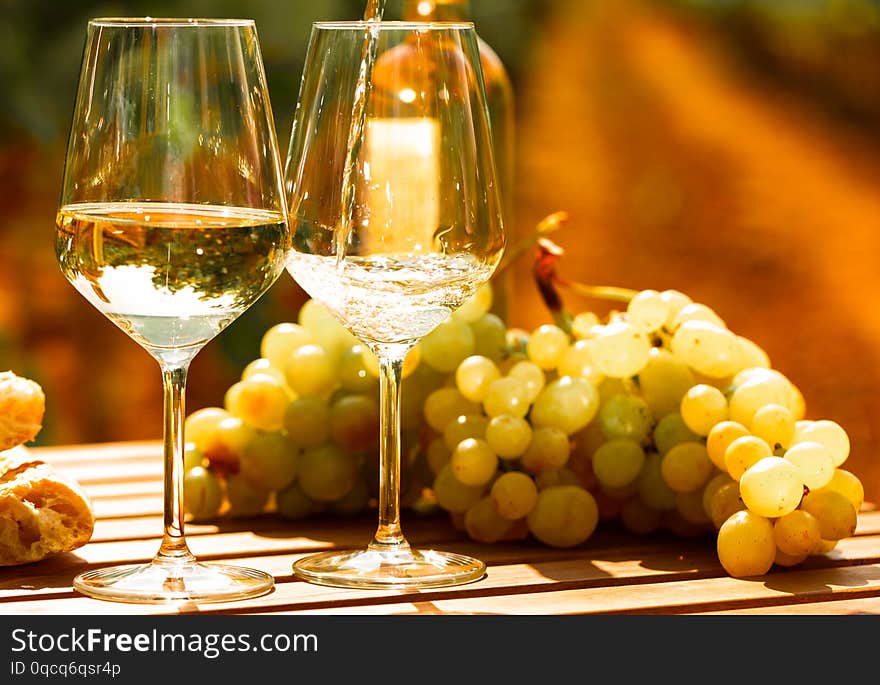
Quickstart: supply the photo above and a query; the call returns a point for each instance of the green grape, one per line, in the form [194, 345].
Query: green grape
[484, 524]
[652, 488]
[269, 461]
[835, 513]
[327, 473]
[219, 436]
[746, 546]
[514, 495]
[583, 324]
[708, 349]
[689, 505]
[490, 336]
[448, 345]
[648, 310]
[686, 466]
[311, 370]
[473, 462]
[292, 503]
[702, 408]
[202, 493]
[353, 372]
[578, 363]
[354, 501]
[354, 423]
[507, 396]
[847, 485]
[697, 312]
[553, 477]
[259, 401]
[263, 367]
[464, 427]
[620, 350]
[567, 403]
[827, 433]
[796, 533]
[446, 404]
[724, 503]
[625, 416]
[774, 424]
[245, 497]
[773, 487]
[720, 438]
[508, 436]
[453, 495]
[192, 456]
[476, 306]
[531, 375]
[280, 341]
[547, 345]
[814, 461]
[474, 375]
[743, 453]
[307, 421]
[664, 381]
[610, 387]
[670, 431]
[758, 389]
[786, 560]
[564, 516]
[751, 355]
[675, 301]
[712, 487]
[639, 518]
[618, 463]
[548, 449]
[437, 455]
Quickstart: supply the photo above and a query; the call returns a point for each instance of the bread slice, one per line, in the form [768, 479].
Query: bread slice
[41, 512]
[22, 404]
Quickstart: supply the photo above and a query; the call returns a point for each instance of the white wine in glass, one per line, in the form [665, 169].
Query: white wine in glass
[172, 222]
[396, 221]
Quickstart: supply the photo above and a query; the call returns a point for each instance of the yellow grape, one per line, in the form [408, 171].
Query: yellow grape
[823, 547]
[464, 427]
[245, 497]
[444, 348]
[826, 433]
[474, 375]
[746, 546]
[626, 416]
[311, 370]
[484, 524]
[547, 345]
[743, 453]
[702, 407]
[307, 421]
[686, 467]
[773, 487]
[849, 486]
[280, 341]
[690, 506]
[583, 324]
[202, 493]
[814, 461]
[724, 503]
[437, 455]
[712, 487]
[670, 431]
[445, 405]
[531, 375]
[698, 312]
[507, 396]
[550, 478]
[263, 367]
[708, 349]
[835, 513]
[292, 503]
[260, 401]
[354, 423]
[508, 436]
[453, 495]
[774, 424]
[675, 301]
[664, 381]
[639, 518]
[648, 310]
[269, 461]
[563, 516]
[751, 355]
[787, 560]
[578, 362]
[720, 438]
[476, 306]
[567, 403]
[473, 462]
[758, 389]
[618, 463]
[549, 449]
[514, 495]
[620, 349]
[796, 533]
[490, 337]
[354, 374]
[327, 473]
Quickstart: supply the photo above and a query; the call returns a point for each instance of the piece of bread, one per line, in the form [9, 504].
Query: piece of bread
[41, 512]
[22, 404]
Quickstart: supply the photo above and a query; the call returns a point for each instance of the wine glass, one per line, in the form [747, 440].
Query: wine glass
[172, 222]
[396, 221]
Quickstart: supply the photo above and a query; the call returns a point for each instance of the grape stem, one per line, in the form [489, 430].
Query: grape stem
[545, 227]
[549, 281]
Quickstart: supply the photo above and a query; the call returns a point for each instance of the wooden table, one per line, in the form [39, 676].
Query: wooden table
[613, 572]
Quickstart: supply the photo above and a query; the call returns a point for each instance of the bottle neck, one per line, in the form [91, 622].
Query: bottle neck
[436, 10]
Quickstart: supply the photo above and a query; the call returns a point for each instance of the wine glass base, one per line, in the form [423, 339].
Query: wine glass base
[399, 569]
[156, 583]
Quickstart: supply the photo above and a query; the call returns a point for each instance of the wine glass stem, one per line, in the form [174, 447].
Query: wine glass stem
[389, 535]
[173, 549]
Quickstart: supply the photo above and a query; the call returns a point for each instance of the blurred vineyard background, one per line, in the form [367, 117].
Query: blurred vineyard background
[726, 148]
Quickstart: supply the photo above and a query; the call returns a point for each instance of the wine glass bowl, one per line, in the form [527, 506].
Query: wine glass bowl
[172, 222]
[396, 221]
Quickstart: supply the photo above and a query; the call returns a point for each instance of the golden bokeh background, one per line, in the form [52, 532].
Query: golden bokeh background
[729, 149]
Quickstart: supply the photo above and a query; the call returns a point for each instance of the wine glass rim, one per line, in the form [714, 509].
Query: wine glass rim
[396, 25]
[168, 21]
